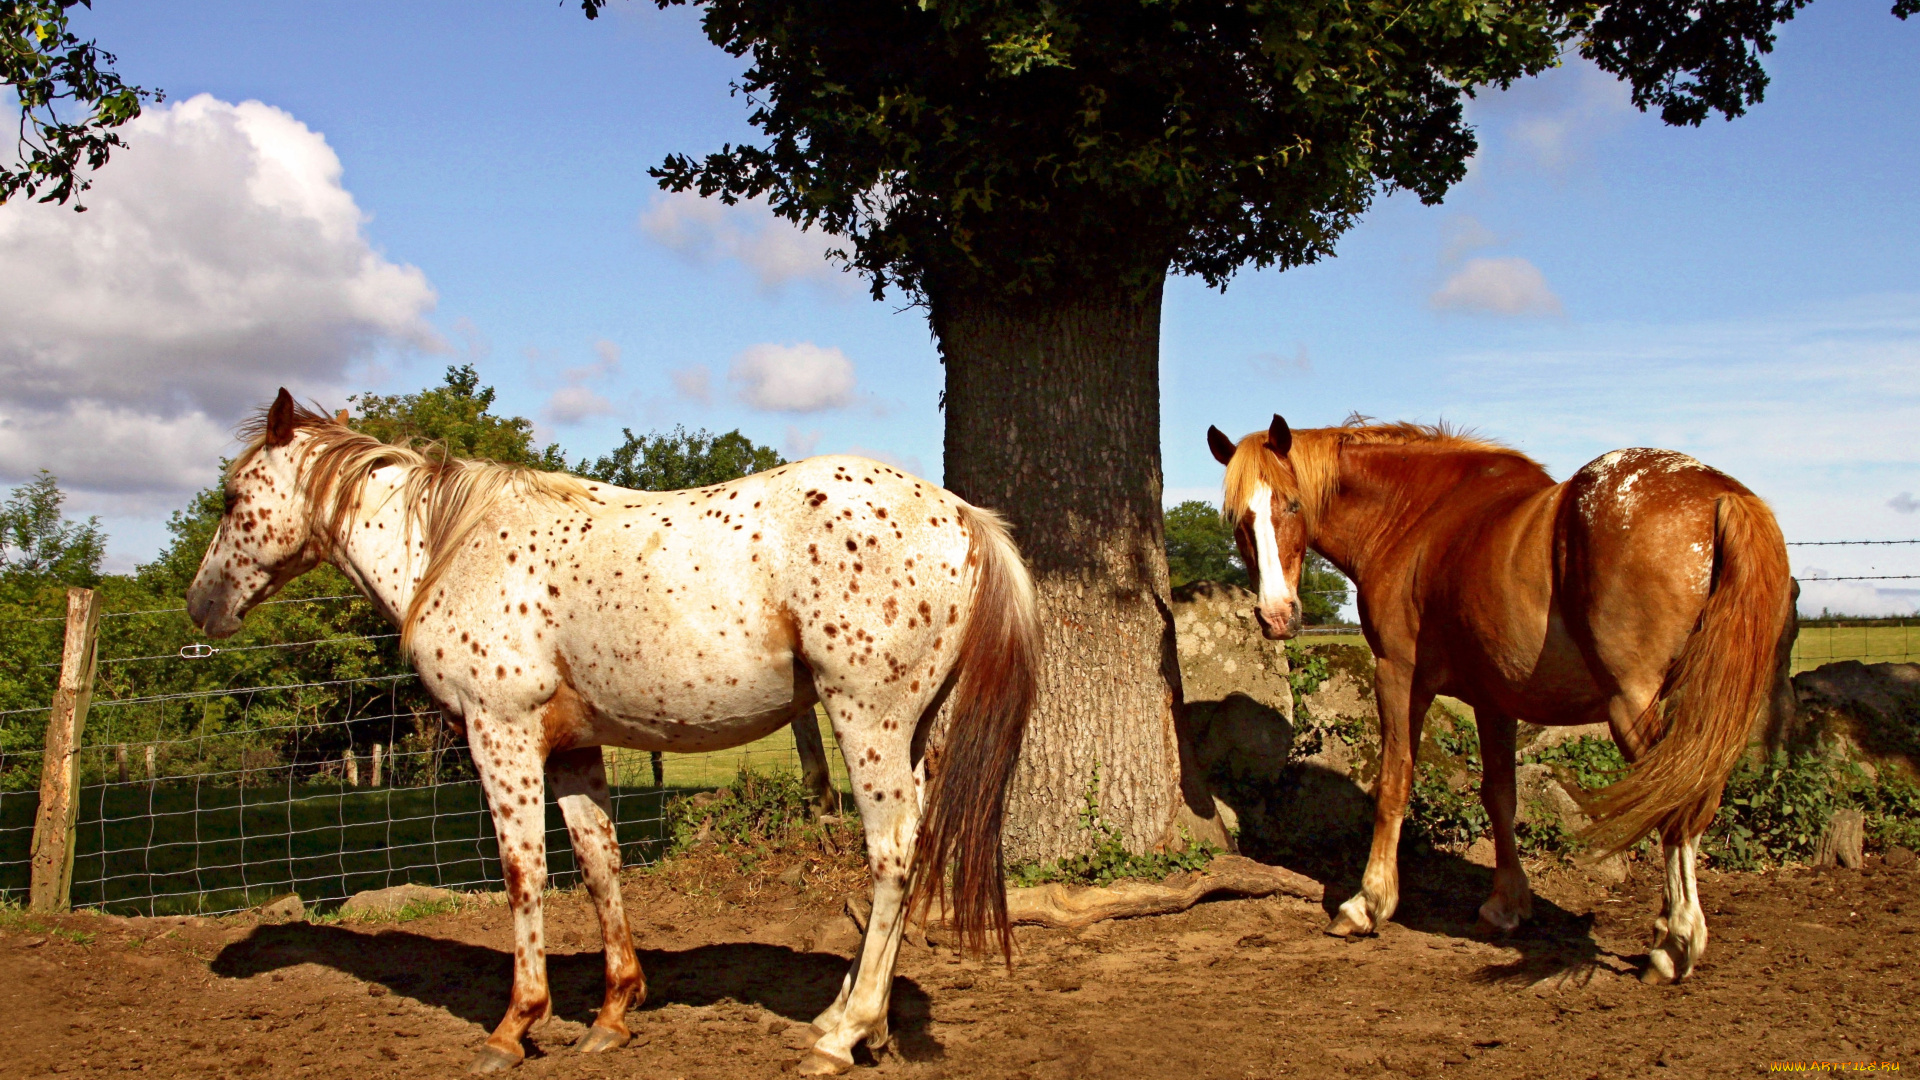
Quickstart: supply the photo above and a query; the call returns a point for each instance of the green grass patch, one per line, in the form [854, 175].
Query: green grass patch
[1819, 645]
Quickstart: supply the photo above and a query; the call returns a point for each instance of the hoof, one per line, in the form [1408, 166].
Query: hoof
[599, 1040]
[819, 1064]
[492, 1059]
[1486, 929]
[1354, 920]
[1342, 926]
[1494, 922]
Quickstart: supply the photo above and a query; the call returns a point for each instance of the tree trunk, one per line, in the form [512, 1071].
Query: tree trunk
[1053, 420]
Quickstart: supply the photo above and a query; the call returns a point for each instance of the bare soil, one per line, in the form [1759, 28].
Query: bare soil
[1803, 966]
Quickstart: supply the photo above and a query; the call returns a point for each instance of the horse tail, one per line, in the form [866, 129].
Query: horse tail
[993, 691]
[1714, 691]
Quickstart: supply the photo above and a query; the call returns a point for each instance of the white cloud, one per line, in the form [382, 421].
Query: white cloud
[220, 259]
[793, 378]
[576, 401]
[1855, 598]
[1904, 503]
[1504, 285]
[1281, 364]
[773, 248]
[572, 404]
[694, 383]
[1553, 121]
[906, 464]
[799, 444]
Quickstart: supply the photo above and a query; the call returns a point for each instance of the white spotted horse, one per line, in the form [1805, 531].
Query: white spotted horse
[1648, 591]
[552, 616]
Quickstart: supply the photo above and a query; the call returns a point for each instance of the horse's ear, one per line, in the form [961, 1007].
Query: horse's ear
[1221, 446]
[280, 419]
[1279, 437]
[340, 418]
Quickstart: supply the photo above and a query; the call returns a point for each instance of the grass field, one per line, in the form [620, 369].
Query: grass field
[1815, 646]
[1819, 645]
[182, 846]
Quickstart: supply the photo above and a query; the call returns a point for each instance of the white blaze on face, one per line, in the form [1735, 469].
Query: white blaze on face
[1275, 593]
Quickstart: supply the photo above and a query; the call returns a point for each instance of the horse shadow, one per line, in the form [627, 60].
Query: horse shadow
[472, 982]
[1440, 895]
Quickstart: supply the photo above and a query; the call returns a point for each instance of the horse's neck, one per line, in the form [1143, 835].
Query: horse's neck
[380, 553]
[1367, 512]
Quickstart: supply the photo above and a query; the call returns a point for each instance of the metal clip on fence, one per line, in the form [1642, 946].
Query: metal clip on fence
[199, 650]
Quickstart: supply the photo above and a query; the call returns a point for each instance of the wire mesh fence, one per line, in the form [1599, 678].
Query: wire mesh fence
[206, 791]
[214, 800]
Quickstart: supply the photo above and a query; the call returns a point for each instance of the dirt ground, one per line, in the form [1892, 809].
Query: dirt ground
[1803, 966]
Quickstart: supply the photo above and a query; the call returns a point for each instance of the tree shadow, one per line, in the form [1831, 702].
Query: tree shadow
[473, 981]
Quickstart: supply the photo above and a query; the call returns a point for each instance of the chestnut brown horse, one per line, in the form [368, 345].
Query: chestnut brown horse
[1647, 591]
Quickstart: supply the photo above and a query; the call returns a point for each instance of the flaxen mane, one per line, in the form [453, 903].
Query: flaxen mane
[1315, 459]
[446, 497]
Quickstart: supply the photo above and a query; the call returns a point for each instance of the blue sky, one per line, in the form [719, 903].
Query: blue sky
[431, 183]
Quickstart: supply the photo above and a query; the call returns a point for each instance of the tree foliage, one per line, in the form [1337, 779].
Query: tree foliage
[55, 75]
[679, 459]
[40, 546]
[455, 416]
[1017, 147]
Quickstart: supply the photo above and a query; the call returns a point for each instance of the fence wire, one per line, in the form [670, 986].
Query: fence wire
[216, 801]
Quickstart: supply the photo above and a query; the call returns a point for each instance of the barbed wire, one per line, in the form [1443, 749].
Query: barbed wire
[183, 652]
[1845, 543]
[172, 610]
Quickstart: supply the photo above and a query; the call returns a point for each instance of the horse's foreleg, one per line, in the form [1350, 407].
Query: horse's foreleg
[887, 792]
[1680, 934]
[580, 786]
[510, 776]
[1512, 900]
[1402, 712]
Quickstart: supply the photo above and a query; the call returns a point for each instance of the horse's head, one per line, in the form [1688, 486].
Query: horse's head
[266, 537]
[1263, 502]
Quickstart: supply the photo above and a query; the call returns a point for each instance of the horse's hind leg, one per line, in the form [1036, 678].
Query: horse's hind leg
[579, 782]
[1680, 933]
[887, 790]
[1403, 710]
[1512, 900]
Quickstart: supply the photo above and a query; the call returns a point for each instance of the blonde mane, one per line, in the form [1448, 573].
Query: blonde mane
[1315, 460]
[446, 497]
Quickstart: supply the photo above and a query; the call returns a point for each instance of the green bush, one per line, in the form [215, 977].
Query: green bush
[1593, 763]
[754, 811]
[1775, 811]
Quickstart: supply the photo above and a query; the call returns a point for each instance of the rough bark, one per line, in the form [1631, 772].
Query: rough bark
[1053, 419]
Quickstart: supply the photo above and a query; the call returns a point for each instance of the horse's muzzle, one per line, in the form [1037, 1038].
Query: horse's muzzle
[1277, 626]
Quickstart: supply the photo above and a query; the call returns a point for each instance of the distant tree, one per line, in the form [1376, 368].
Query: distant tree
[680, 459]
[40, 546]
[1200, 548]
[71, 101]
[454, 414]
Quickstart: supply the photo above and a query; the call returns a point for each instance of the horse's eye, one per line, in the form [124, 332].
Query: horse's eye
[1293, 506]
[232, 500]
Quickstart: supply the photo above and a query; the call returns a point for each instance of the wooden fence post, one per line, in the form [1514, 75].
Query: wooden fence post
[52, 882]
